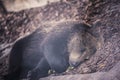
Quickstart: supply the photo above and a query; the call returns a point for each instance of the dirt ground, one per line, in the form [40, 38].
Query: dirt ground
[104, 16]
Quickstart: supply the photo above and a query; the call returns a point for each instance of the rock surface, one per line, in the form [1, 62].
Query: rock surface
[103, 15]
[18, 5]
[113, 74]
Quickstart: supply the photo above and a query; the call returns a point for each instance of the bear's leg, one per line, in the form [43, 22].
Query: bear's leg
[56, 57]
[41, 70]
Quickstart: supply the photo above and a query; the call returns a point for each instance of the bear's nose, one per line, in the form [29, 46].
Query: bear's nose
[74, 64]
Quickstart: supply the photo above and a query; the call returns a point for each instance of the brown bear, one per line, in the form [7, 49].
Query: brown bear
[39, 52]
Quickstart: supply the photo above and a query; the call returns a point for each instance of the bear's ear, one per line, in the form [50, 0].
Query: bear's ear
[81, 27]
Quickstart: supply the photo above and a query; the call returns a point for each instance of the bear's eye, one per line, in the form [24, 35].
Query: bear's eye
[82, 50]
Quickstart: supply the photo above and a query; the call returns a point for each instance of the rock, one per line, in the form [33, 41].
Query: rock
[18, 5]
[113, 74]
